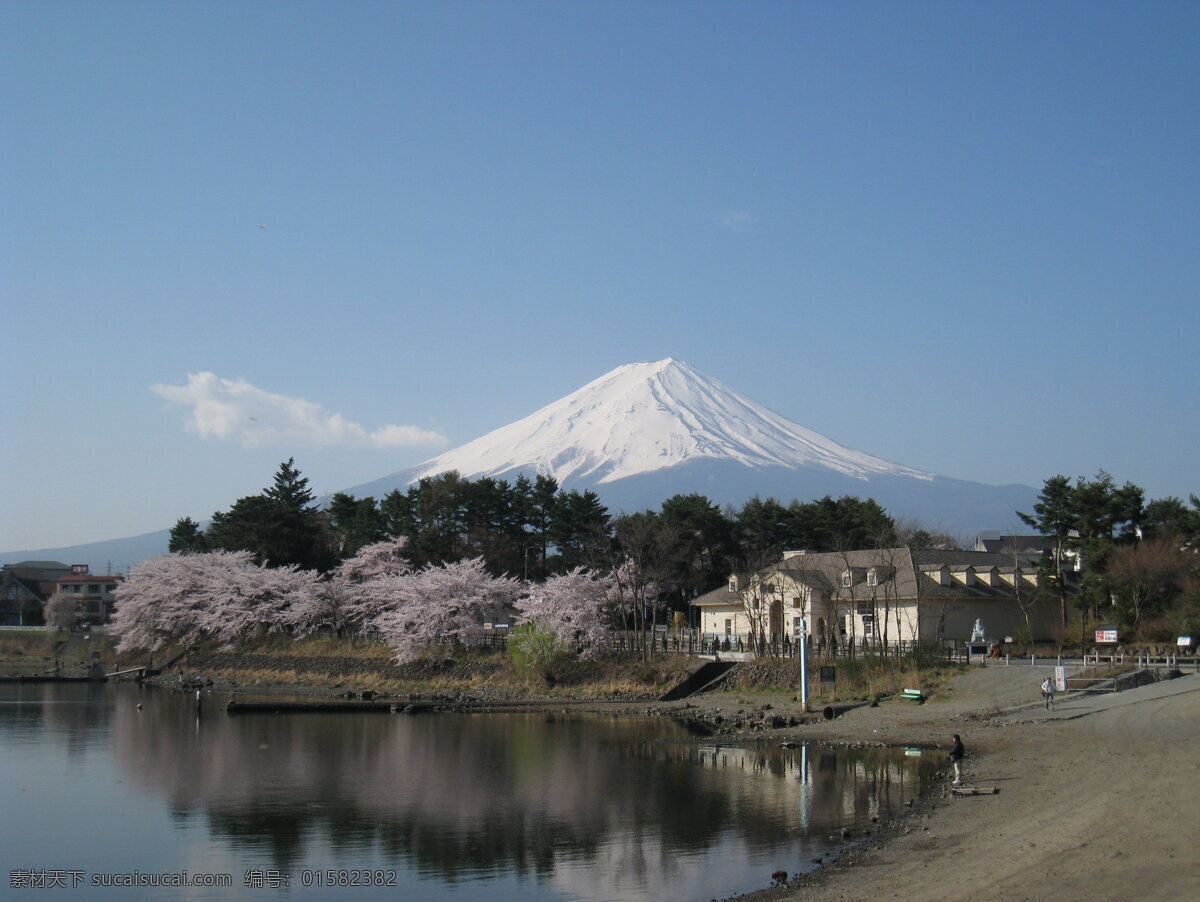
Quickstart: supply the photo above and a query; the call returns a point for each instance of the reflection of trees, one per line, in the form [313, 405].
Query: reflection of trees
[462, 794]
[76, 714]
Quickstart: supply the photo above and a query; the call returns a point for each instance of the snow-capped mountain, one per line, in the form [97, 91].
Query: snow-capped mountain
[646, 431]
[643, 417]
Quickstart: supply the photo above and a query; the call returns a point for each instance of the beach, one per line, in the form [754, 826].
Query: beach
[1098, 801]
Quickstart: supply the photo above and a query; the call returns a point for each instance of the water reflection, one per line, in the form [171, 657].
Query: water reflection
[589, 807]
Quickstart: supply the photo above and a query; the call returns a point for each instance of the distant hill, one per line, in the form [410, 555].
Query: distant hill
[112, 555]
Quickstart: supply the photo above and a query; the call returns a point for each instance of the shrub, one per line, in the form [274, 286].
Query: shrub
[535, 651]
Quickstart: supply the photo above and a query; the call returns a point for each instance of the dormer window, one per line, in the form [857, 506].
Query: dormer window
[847, 579]
[872, 577]
[733, 584]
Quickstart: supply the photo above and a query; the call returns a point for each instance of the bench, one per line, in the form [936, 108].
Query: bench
[913, 695]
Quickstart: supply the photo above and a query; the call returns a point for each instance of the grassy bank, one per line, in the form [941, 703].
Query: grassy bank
[357, 665]
[37, 652]
[855, 679]
[360, 665]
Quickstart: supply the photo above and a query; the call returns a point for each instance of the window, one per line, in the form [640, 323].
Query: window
[728, 627]
[847, 579]
[844, 624]
[872, 577]
[868, 622]
[797, 630]
[110, 587]
[864, 607]
[93, 588]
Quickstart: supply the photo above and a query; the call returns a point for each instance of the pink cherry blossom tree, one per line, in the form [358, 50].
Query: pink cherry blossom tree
[355, 593]
[440, 604]
[255, 600]
[221, 595]
[575, 608]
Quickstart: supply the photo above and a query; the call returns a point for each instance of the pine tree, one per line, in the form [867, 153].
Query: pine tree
[280, 527]
[187, 537]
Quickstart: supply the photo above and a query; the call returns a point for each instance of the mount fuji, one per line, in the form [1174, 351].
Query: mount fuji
[646, 431]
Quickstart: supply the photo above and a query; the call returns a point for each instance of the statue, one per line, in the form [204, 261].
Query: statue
[978, 634]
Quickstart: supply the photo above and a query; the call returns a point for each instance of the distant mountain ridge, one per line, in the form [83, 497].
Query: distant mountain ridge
[646, 431]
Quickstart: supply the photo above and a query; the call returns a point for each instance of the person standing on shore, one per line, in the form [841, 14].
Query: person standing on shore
[1048, 693]
[957, 752]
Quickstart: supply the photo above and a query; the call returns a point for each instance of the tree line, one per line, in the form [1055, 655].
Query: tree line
[1138, 557]
[1117, 559]
[533, 529]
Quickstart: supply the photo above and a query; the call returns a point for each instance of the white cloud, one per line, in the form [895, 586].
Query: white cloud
[236, 410]
[738, 220]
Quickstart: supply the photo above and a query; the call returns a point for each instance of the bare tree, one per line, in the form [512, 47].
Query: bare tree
[1011, 548]
[61, 611]
[1148, 576]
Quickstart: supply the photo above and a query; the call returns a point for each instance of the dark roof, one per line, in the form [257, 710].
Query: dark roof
[718, 596]
[29, 568]
[31, 586]
[1010, 545]
[904, 569]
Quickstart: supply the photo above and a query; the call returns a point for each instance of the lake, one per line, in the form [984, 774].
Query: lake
[103, 801]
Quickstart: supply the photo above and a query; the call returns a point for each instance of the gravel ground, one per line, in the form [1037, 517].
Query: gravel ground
[1099, 801]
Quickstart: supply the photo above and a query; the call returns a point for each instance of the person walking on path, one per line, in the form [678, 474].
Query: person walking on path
[1048, 693]
[956, 758]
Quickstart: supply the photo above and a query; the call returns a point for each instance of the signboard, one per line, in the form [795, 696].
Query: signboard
[828, 674]
[79, 569]
[1184, 641]
[1107, 636]
[1060, 679]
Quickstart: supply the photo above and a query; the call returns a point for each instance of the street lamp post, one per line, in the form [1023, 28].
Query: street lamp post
[804, 663]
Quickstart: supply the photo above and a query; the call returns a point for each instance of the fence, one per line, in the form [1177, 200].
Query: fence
[1143, 659]
[692, 642]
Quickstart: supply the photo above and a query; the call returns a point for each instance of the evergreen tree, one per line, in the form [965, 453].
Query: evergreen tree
[1085, 520]
[353, 523]
[279, 527]
[187, 537]
[1053, 516]
[579, 530]
[705, 549]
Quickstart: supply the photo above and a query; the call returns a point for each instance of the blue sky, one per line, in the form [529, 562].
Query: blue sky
[962, 237]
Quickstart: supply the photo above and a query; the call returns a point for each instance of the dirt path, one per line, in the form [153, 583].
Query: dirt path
[1099, 807]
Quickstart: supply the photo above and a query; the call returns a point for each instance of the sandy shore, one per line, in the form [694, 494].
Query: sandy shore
[1102, 802]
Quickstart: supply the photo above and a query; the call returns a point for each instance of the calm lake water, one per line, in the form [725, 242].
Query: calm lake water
[434, 807]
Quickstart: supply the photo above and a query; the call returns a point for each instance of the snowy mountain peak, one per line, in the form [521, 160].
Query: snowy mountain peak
[643, 417]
